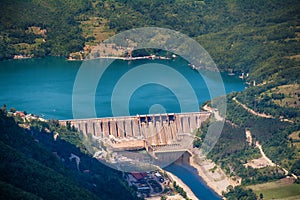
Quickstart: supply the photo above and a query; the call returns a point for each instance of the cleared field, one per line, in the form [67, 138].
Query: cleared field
[296, 142]
[96, 27]
[295, 135]
[282, 189]
[291, 98]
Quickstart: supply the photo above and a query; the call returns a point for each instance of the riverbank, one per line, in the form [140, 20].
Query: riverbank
[179, 182]
[212, 174]
[190, 177]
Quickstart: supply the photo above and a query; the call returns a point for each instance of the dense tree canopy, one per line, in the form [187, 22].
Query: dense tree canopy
[34, 165]
[257, 37]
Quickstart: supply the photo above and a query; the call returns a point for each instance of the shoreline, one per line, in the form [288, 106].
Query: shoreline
[104, 57]
[206, 180]
[124, 58]
[180, 183]
[215, 179]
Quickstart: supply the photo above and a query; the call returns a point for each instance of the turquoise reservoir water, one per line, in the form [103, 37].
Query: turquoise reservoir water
[45, 86]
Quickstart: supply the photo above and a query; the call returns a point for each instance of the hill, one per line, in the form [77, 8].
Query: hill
[39, 28]
[34, 165]
[259, 38]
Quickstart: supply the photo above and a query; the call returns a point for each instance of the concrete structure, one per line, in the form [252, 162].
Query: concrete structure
[156, 133]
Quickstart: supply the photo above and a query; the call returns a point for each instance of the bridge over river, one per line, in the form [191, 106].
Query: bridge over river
[158, 134]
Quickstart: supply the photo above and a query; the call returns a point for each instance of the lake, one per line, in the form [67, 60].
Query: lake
[45, 87]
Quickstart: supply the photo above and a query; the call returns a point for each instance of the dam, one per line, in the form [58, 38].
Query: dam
[154, 132]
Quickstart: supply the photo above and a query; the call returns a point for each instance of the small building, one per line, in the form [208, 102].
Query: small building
[21, 114]
[138, 176]
[144, 188]
[157, 174]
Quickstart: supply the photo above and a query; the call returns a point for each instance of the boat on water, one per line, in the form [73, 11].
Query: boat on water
[192, 66]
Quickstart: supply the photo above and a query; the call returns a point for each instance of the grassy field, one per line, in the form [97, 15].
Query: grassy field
[296, 142]
[295, 135]
[291, 95]
[282, 189]
[96, 27]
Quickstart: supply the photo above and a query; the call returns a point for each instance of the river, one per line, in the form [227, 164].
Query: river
[189, 176]
[45, 87]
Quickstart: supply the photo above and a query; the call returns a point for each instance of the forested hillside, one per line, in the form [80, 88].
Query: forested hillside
[246, 36]
[256, 37]
[40, 27]
[35, 165]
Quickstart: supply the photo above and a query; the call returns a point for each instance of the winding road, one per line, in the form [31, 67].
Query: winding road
[257, 113]
[252, 111]
[248, 133]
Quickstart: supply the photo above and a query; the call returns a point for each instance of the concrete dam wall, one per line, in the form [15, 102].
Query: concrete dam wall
[163, 132]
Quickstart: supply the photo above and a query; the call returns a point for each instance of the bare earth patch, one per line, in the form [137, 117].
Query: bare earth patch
[295, 135]
[257, 163]
[296, 57]
[212, 174]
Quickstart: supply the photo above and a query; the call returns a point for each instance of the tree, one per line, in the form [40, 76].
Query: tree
[12, 109]
[163, 198]
[4, 108]
[261, 196]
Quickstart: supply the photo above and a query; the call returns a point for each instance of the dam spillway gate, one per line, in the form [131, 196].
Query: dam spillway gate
[159, 134]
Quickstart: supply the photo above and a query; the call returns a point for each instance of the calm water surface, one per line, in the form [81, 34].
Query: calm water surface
[44, 87]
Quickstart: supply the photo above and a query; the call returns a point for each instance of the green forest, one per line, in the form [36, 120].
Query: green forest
[34, 165]
[256, 37]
